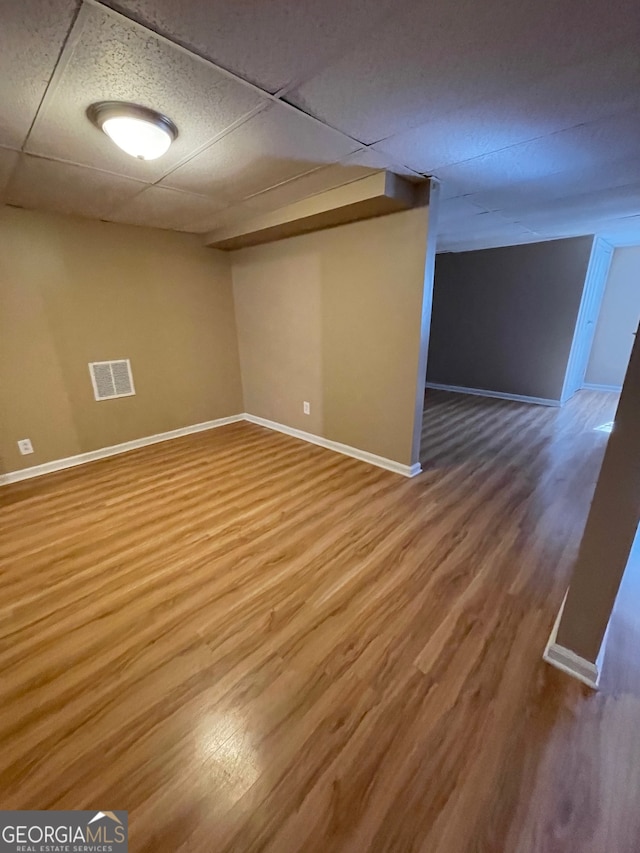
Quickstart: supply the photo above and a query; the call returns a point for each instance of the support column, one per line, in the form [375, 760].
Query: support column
[611, 527]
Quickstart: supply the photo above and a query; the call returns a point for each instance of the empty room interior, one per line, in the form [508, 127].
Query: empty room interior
[319, 426]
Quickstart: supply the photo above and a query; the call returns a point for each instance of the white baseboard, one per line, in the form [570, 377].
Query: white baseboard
[345, 449]
[569, 662]
[572, 664]
[499, 395]
[114, 450]
[590, 386]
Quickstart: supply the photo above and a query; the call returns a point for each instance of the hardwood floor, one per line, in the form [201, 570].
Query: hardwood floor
[254, 644]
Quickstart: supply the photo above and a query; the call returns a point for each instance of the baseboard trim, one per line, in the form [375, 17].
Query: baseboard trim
[569, 662]
[499, 395]
[114, 450]
[125, 447]
[337, 447]
[590, 386]
[573, 665]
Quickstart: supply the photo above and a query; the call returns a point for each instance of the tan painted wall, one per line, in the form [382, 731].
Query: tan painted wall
[335, 318]
[278, 297]
[610, 530]
[74, 291]
[33, 397]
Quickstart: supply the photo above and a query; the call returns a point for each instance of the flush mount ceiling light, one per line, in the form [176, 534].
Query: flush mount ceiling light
[141, 132]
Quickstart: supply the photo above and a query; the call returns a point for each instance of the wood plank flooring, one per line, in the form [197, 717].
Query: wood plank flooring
[254, 644]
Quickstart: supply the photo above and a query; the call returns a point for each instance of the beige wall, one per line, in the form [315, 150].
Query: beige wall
[335, 318]
[610, 530]
[278, 301]
[617, 321]
[74, 291]
[33, 397]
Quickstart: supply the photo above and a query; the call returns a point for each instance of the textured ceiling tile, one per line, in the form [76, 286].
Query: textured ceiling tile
[270, 148]
[371, 159]
[474, 93]
[65, 188]
[222, 219]
[158, 207]
[269, 43]
[547, 190]
[587, 146]
[31, 37]
[515, 237]
[583, 213]
[621, 231]
[437, 57]
[108, 58]
[616, 202]
[456, 212]
[548, 193]
[8, 160]
[448, 189]
[560, 227]
[484, 232]
[589, 91]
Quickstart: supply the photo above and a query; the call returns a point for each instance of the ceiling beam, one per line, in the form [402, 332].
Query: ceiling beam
[372, 196]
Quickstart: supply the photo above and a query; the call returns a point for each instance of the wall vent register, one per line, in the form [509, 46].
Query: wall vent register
[111, 379]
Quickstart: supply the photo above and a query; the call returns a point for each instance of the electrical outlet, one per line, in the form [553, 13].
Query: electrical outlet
[24, 445]
[306, 408]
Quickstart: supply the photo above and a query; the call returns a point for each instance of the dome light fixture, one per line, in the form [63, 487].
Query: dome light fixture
[141, 132]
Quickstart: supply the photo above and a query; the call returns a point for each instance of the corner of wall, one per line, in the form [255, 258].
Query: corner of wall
[365, 316]
[432, 198]
[75, 291]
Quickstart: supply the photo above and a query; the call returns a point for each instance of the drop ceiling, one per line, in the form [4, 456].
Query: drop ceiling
[528, 113]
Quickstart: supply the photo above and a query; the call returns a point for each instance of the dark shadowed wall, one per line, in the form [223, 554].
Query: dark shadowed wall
[504, 319]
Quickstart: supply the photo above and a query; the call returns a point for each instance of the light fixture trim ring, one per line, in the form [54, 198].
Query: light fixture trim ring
[99, 112]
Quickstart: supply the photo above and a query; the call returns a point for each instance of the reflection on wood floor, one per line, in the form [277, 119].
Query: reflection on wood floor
[252, 643]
